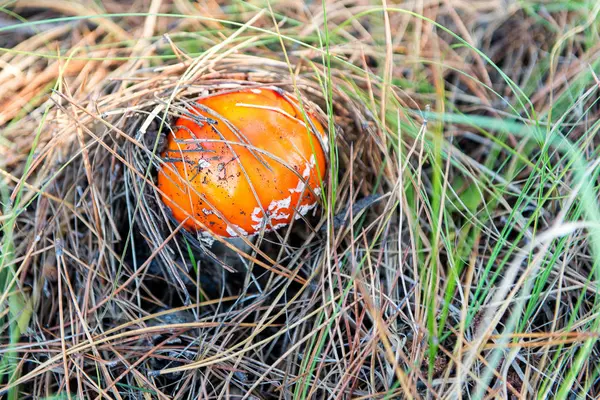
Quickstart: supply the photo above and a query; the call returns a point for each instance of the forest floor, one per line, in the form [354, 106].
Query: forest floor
[474, 274]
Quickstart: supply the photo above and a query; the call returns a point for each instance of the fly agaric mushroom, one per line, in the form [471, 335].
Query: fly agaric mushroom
[245, 161]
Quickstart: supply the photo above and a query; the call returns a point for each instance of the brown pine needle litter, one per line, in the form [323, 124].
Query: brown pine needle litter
[454, 253]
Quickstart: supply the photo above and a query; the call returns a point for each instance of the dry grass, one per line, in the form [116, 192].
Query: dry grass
[473, 274]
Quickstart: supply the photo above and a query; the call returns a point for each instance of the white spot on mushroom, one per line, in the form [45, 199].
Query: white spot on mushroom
[306, 172]
[312, 162]
[207, 211]
[256, 215]
[275, 227]
[299, 188]
[256, 91]
[280, 216]
[202, 163]
[276, 212]
[303, 209]
[305, 175]
[259, 218]
[318, 191]
[277, 205]
[231, 229]
[325, 142]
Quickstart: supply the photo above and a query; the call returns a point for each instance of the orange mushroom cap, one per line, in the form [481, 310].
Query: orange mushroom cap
[246, 161]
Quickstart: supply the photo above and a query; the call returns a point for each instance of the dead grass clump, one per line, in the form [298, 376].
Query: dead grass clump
[123, 281]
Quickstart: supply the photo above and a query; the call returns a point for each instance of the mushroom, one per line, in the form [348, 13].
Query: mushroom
[243, 162]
